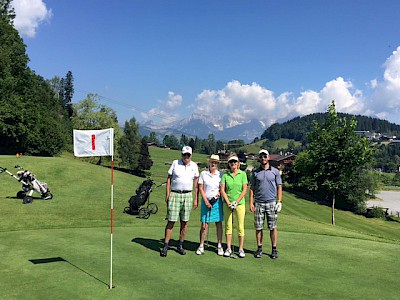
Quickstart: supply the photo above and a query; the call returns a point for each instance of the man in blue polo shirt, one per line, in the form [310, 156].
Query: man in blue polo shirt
[265, 201]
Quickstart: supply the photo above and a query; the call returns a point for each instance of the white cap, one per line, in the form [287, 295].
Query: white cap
[187, 149]
[263, 151]
[234, 157]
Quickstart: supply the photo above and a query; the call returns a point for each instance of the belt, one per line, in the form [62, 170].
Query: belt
[181, 192]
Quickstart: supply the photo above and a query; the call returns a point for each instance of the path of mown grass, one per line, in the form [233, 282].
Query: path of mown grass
[357, 258]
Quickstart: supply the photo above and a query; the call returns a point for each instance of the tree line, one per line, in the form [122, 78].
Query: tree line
[299, 127]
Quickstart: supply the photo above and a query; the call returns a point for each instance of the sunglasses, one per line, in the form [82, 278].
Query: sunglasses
[186, 154]
[263, 156]
[232, 162]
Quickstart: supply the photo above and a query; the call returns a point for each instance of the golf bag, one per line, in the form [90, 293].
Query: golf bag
[29, 185]
[142, 195]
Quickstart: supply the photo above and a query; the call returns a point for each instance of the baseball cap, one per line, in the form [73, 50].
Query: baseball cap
[263, 151]
[233, 157]
[187, 149]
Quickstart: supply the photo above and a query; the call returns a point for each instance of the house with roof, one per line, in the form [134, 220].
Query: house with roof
[283, 163]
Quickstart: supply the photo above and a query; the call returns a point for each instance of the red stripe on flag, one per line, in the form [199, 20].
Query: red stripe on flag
[93, 142]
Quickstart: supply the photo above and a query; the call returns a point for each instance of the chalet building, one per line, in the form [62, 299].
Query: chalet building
[283, 163]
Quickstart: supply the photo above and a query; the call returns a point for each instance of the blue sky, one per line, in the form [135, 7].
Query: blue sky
[271, 60]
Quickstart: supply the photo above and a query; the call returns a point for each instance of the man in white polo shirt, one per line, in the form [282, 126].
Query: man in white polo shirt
[182, 176]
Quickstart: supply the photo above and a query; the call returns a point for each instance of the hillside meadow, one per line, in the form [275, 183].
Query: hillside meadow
[60, 248]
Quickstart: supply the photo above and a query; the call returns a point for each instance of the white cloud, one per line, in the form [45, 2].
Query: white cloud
[242, 102]
[385, 101]
[29, 15]
[173, 101]
[164, 113]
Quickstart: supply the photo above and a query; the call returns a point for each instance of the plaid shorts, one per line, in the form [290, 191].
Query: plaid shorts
[179, 205]
[262, 210]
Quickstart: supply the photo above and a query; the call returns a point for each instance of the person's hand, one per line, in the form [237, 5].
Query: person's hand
[252, 207]
[233, 205]
[208, 204]
[278, 207]
[195, 204]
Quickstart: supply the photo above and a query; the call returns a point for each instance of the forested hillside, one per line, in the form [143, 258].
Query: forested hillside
[32, 118]
[298, 127]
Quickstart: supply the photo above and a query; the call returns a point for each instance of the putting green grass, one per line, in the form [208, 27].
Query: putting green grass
[60, 249]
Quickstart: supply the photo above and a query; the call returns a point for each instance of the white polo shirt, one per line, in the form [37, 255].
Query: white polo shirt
[183, 176]
[211, 183]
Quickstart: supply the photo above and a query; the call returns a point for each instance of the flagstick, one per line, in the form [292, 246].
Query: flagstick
[112, 220]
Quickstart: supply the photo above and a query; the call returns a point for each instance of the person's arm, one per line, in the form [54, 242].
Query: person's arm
[196, 192]
[279, 193]
[203, 195]
[243, 193]
[167, 189]
[224, 195]
[244, 188]
[252, 198]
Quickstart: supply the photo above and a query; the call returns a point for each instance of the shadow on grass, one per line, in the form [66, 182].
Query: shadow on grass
[156, 245]
[60, 259]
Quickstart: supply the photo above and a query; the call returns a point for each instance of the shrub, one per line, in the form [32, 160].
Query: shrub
[375, 212]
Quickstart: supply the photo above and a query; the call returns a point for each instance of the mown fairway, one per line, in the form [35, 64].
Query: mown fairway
[60, 249]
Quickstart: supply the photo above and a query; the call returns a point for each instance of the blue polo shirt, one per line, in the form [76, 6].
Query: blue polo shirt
[264, 184]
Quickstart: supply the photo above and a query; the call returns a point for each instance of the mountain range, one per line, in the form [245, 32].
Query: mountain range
[226, 129]
[197, 125]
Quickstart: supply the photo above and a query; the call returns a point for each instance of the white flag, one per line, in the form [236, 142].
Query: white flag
[94, 142]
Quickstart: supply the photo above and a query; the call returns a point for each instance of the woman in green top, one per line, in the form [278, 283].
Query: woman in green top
[233, 189]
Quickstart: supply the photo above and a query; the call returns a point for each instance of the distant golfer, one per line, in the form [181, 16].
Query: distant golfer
[211, 204]
[266, 200]
[182, 175]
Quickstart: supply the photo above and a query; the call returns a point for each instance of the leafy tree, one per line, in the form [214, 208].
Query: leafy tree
[7, 11]
[144, 161]
[184, 140]
[31, 119]
[153, 138]
[192, 143]
[89, 114]
[171, 141]
[396, 179]
[335, 158]
[68, 88]
[129, 145]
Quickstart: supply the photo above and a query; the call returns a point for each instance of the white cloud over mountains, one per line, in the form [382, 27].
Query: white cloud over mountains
[243, 102]
[29, 15]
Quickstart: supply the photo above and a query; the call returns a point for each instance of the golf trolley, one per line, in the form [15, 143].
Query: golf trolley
[142, 196]
[29, 185]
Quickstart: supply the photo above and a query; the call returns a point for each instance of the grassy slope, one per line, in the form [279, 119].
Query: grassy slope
[317, 260]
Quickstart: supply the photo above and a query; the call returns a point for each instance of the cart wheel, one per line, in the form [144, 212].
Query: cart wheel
[47, 196]
[153, 208]
[144, 213]
[27, 200]
[21, 195]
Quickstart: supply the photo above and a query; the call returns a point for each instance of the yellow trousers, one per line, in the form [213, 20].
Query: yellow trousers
[240, 212]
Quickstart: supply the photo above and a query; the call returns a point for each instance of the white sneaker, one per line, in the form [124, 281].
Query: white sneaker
[242, 254]
[228, 252]
[220, 251]
[200, 251]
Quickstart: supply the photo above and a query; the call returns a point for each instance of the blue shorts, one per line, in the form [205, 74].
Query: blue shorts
[215, 214]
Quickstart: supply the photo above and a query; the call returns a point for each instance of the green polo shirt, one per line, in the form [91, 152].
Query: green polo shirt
[234, 185]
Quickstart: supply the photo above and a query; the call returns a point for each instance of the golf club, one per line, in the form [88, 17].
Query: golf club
[208, 224]
[233, 255]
